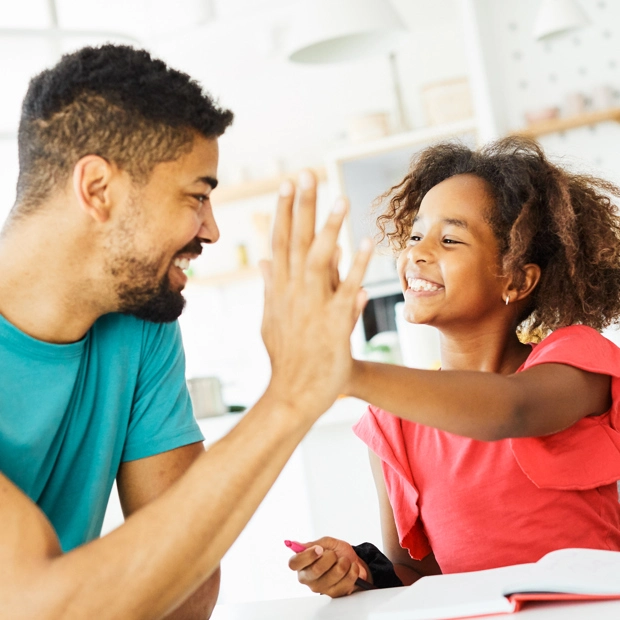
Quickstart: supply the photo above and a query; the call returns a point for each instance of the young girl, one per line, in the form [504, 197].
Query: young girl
[512, 450]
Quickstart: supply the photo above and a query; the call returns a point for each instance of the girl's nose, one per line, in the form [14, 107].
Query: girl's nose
[421, 251]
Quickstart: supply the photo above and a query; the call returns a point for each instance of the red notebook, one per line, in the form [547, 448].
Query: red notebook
[563, 575]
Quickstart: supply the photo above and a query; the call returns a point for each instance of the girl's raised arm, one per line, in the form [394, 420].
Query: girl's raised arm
[541, 400]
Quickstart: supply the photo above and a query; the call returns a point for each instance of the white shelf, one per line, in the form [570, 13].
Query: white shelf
[557, 125]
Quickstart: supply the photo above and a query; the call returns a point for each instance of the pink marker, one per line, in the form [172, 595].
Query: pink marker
[360, 583]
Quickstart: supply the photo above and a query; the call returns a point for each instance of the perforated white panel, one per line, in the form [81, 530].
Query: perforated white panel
[525, 74]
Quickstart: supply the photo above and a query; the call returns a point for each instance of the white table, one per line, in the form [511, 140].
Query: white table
[357, 607]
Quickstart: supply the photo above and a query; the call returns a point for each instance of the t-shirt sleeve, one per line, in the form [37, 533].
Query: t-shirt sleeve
[382, 433]
[587, 454]
[161, 417]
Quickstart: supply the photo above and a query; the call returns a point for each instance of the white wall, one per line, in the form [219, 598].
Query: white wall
[525, 74]
[287, 116]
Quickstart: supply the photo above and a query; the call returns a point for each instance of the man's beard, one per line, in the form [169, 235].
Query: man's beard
[142, 296]
[142, 293]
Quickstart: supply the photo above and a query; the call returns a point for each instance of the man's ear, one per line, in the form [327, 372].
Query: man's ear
[531, 277]
[92, 176]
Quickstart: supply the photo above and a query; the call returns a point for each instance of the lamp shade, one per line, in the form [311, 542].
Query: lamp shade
[336, 30]
[558, 16]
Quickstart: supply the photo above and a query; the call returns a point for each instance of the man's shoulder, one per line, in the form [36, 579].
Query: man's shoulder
[124, 332]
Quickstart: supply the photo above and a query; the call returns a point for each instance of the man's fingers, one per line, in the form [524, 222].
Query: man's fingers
[280, 242]
[324, 245]
[351, 285]
[303, 223]
[333, 267]
[360, 303]
[266, 269]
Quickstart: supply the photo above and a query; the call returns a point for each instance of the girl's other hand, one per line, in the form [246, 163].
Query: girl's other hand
[329, 566]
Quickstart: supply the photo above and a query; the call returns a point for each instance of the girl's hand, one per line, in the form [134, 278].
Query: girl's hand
[329, 566]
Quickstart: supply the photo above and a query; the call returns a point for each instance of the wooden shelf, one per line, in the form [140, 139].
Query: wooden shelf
[226, 277]
[270, 185]
[569, 122]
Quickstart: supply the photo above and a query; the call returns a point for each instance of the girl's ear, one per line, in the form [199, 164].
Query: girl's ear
[531, 278]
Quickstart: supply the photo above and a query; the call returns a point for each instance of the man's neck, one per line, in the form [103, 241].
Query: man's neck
[47, 286]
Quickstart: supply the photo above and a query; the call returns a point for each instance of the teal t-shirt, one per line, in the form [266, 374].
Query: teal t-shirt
[71, 413]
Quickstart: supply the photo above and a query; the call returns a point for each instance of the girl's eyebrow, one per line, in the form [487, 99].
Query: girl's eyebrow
[456, 222]
[448, 220]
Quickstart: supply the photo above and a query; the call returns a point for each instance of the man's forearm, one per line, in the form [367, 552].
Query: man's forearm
[145, 567]
[200, 605]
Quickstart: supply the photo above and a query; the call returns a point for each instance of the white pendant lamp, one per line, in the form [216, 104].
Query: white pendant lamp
[558, 16]
[326, 31]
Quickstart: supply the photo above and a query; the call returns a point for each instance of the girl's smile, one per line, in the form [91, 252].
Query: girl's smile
[416, 285]
[449, 270]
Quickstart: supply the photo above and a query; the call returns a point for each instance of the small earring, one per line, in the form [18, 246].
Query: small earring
[507, 299]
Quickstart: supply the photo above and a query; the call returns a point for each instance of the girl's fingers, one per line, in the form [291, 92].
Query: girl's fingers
[280, 242]
[304, 559]
[303, 224]
[338, 580]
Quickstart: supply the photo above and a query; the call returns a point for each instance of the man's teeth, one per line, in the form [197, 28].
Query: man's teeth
[181, 263]
[417, 284]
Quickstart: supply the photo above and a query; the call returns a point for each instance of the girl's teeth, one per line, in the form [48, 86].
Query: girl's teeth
[417, 284]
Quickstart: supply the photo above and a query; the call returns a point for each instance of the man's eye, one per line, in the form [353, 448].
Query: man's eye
[201, 198]
[451, 241]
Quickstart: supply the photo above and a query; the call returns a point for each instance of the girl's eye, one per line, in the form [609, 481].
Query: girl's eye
[415, 238]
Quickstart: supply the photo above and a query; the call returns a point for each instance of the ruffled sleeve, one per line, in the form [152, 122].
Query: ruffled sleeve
[383, 434]
[587, 454]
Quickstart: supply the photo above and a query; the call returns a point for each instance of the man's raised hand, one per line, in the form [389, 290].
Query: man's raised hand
[309, 315]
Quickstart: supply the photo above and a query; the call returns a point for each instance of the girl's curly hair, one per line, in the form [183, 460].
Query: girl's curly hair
[566, 223]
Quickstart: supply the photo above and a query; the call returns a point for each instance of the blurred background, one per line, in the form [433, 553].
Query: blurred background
[351, 88]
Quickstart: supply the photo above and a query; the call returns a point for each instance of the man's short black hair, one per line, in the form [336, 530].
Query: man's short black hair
[114, 101]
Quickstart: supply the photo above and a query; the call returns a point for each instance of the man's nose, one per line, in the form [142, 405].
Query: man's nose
[209, 231]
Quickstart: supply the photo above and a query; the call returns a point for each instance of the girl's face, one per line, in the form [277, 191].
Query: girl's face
[450, 270]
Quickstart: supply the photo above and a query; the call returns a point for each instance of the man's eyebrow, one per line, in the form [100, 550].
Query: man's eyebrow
[212, 181]
[449, 220]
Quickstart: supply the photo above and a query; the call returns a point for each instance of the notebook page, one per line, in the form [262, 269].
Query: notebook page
[457, 595]
[575, 571]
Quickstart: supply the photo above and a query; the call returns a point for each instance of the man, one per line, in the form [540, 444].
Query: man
[118, 158]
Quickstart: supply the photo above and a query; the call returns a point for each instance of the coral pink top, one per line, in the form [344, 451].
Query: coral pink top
[480, 505]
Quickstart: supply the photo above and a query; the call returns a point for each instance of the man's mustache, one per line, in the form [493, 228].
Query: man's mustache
[193, 247]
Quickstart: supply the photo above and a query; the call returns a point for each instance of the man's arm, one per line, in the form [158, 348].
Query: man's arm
[163, 552]
[140, 482]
